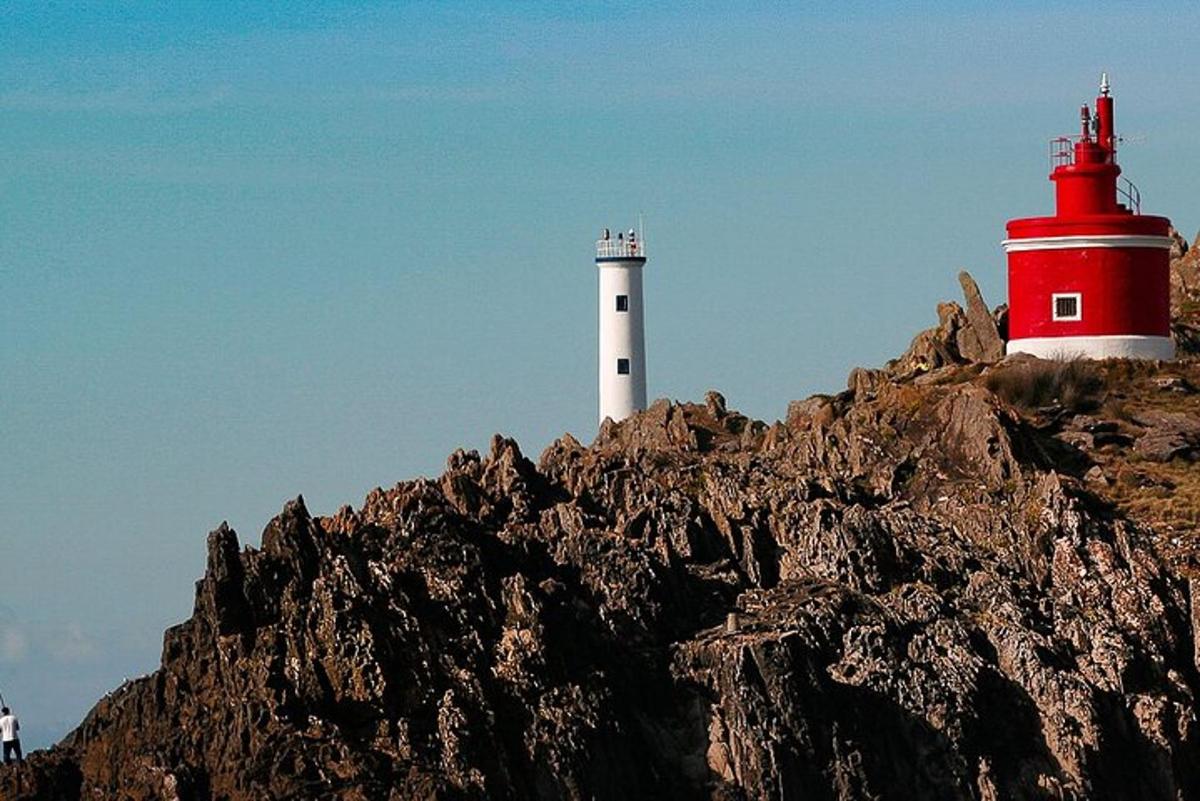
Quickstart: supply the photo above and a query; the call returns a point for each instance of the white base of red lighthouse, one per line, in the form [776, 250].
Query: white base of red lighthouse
[1112, 346]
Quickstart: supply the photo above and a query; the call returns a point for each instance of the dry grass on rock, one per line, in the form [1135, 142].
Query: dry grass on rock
[1032, 384]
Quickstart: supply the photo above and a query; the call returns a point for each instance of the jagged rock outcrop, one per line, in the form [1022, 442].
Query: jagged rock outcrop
[979, 340]
[967, 336]
[912, 589]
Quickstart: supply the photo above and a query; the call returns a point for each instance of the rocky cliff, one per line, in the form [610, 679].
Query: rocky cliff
[961, 578]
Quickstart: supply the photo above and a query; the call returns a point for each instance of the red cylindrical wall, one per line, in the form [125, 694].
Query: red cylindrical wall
[1086, 189]
[1122, 291]
[1105, 136]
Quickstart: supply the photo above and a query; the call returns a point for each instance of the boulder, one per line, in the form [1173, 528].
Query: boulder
[1168, 435]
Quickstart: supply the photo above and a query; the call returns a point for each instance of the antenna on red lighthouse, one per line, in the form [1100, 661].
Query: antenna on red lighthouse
[1105, 132]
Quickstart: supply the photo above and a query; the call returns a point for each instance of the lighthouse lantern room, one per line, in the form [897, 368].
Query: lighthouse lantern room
[1093, 280]
[622, 335]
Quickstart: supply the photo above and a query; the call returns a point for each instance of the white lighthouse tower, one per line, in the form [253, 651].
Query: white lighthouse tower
[622, 337]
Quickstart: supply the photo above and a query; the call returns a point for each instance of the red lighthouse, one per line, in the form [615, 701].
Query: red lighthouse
[1093, 280]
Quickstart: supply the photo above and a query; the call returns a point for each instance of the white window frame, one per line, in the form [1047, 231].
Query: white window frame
[1074, 318]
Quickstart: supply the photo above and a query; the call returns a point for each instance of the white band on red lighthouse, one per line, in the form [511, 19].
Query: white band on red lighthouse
[1087, 241]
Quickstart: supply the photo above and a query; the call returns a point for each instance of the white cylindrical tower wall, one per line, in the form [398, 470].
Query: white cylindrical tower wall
[622, 337]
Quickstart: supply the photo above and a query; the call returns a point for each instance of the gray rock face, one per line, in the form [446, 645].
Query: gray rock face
[902, 593]
[1168, 435]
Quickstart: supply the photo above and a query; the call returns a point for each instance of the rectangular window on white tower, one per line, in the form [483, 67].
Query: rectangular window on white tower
[623, 303]
[622, 366]
[1068, 306]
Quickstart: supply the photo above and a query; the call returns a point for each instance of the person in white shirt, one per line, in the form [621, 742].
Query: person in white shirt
[9, 726]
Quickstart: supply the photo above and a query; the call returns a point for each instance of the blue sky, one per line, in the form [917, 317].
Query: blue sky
[249, 251]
